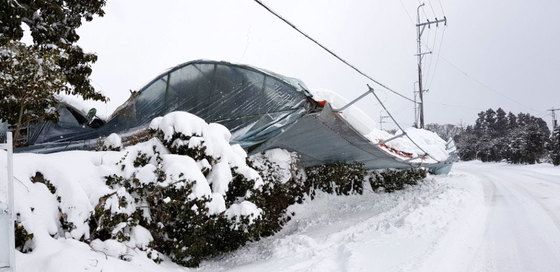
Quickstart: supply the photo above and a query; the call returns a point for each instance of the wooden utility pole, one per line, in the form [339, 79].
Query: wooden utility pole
[420, 27]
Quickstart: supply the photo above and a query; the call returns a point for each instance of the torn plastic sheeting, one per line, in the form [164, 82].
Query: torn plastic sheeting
[325, 137]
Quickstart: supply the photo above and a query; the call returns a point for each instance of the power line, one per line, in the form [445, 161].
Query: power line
[441, 6]
[431, 62]
[486, 86]
[437, 59]
[432, 8]
[330, 51]
[406, 11]
[399, 126]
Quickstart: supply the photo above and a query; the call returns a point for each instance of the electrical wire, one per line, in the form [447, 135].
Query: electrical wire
[330, 51]
[432, 8]
[486, 86]
[406, 11]
[441, 6]
[430, 63]
[437, 59]
[399, 126]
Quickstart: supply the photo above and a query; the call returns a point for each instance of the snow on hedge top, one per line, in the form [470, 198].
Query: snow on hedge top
[179, 122]
[113, 141]
[216, 139]
[282, 160]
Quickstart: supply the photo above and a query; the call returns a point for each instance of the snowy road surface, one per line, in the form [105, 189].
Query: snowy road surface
[523, 220]
[483, 217]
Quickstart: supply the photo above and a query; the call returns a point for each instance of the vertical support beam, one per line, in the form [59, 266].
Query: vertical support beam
[11, 205]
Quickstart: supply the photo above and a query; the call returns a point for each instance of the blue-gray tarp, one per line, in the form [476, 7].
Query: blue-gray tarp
[262, 110]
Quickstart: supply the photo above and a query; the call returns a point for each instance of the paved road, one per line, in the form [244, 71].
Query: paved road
[522, 229]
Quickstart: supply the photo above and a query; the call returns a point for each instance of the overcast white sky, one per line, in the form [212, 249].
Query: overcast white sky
[509, 49]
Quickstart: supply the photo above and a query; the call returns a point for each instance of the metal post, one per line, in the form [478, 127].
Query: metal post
[11, 207]
[352, 102]
[9, 213]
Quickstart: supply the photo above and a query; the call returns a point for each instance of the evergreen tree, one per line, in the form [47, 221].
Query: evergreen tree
[480, 124]
[555, 146]
[512, 121]
[490, 121]
[29, 80]
[53, 27]
[501, 124]
[498, 136]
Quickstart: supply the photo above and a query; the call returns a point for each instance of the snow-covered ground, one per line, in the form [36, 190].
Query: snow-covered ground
[482, 217]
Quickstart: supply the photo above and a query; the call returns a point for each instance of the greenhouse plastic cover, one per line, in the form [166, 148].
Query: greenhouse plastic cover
[262, 109]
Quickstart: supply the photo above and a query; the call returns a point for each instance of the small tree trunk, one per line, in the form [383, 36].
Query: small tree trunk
[17, 133]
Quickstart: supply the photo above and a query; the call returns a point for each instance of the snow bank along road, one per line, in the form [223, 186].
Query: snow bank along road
[483, 217]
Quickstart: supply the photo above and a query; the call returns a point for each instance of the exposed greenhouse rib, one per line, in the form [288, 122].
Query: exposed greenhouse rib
[399, 126]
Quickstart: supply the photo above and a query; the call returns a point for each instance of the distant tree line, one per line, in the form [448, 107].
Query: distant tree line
[500, 136]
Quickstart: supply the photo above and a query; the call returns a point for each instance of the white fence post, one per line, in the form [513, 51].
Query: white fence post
[10, 214]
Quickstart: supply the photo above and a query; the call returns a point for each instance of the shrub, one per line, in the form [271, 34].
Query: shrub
[284, 185]
[22, 237]
[195, 202]
[392, 180]
[338, 178]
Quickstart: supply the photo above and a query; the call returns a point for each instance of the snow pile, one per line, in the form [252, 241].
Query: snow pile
[84, 106]
[433, 148]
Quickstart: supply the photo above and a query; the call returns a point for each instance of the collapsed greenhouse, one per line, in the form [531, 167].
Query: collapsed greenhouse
[263, 110]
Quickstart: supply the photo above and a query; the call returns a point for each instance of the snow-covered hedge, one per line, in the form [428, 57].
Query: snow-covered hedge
[284, 185]
[337, 178]
[185, 194]
[187, 188]
[392, 180]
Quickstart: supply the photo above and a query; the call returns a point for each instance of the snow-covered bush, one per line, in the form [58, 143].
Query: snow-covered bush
[188, 187]
[284, 185]
[392, 180]
[145, 200]
[337, 178]
[113, 142]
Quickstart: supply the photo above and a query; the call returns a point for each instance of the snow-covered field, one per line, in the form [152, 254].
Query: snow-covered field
[482, 217]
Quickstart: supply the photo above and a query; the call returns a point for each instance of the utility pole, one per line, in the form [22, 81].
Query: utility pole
[420, 27]
[554, 121]
[415, 105]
